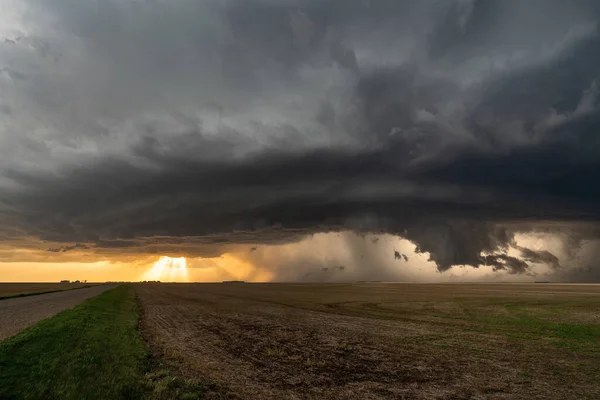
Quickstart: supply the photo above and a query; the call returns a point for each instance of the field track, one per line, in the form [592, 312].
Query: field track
[19, 313]
[380, 341]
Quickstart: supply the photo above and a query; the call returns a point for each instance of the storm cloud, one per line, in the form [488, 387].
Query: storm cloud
[188, 128]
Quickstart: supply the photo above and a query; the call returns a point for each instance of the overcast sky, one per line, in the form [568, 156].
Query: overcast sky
[189, 128]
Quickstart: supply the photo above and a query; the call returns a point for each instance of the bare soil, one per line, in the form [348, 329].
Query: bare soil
[19, 313]
[380, 341]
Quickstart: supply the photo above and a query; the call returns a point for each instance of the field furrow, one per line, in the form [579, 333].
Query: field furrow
[277, 341]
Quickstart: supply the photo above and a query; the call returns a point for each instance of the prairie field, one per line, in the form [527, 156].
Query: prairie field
[8, 290]
[379, 340]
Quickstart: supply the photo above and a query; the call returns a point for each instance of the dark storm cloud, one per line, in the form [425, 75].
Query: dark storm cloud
[542, 257]
[127, 205]
[189, 126]
[63, 249]
[503, 262]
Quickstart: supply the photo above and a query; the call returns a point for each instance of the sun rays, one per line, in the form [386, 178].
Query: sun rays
[168, 269]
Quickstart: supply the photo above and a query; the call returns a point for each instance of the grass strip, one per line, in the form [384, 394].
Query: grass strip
[93, 351]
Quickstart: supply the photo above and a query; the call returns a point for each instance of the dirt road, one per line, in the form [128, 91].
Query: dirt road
[290, 341]
[19, 313]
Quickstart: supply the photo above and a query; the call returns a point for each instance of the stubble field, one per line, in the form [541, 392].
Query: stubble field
[379, 341]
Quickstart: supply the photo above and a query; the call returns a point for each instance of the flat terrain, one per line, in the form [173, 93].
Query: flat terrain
[93, 351]
[19, 313]
[8, 290]
[380, 341]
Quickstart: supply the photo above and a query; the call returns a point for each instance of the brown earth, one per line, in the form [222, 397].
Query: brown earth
[19, 313]
[13, 289]
[380, 341]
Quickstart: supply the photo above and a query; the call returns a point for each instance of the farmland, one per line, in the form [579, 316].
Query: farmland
[9, 290]
[93, 351]
[371, 341]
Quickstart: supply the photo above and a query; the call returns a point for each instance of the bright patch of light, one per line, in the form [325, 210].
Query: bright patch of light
[168, 269]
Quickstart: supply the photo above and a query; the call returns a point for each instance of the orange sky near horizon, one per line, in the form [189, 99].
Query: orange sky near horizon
[315, 258]
[54, 272]
[226, 267]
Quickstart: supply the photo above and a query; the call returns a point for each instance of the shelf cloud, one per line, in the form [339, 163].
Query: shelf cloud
[130, 128]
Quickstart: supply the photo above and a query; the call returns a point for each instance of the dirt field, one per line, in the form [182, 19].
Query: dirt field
[380, 341]
[19, 313]
[13, 289]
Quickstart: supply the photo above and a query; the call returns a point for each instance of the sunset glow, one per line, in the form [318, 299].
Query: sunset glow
[323, 257]
[168, 269]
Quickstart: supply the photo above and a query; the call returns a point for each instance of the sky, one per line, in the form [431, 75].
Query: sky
[300, 140]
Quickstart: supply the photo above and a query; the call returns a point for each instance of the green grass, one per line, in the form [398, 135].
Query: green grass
[552, 320]
[534, 323]
[537, 319]
[93, 351]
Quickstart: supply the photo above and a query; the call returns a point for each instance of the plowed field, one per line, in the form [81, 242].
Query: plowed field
[380, 341]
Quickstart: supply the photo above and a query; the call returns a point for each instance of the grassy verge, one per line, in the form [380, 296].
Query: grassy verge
[93, 351]
[13, 296]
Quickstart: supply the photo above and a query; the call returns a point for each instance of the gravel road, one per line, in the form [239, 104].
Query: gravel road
[19, 313]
